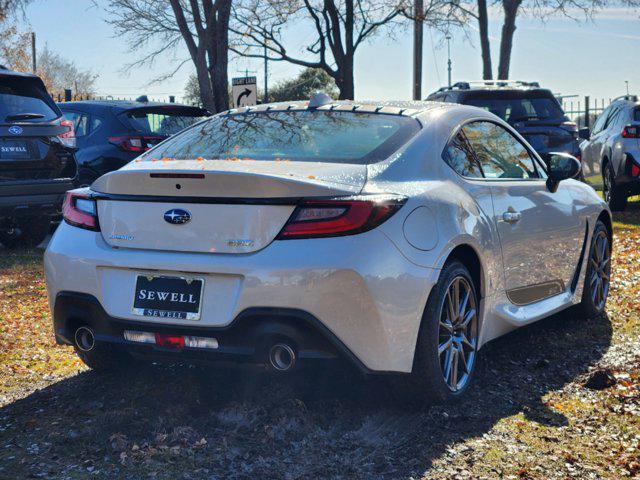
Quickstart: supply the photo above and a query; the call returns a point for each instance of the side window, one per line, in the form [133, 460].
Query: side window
[94, 124]
[612, 118]
[80, 122]
[460, 157]
[600, 121]
[499, 153]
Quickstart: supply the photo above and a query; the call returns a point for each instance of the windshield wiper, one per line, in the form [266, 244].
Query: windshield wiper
[23, 116]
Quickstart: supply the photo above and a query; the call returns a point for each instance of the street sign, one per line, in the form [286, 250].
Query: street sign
[244, 91]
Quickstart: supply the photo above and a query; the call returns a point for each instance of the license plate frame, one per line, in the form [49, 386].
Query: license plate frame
[141, 307]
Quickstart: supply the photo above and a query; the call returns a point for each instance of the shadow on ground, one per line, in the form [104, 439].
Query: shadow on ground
[314, 424]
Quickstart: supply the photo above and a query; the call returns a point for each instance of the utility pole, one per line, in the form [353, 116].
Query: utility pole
[448, 37]
[418, 7]
[266, 74]
[33, 52]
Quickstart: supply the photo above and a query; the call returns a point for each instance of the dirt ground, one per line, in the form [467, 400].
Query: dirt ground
[558, 399]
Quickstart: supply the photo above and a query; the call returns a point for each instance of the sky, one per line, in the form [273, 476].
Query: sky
[592, 57]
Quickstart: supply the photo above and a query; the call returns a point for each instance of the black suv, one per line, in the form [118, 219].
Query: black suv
[111, 133]
[533, 111]
[37, 164]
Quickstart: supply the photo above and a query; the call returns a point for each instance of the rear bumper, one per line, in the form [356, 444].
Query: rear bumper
[246, 339]
[360, 289]
[19, 200]
[625, 177]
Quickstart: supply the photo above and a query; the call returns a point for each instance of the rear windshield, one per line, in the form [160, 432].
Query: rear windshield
[308, 135]
[520, 109]
[636, 115]
[24, 100]
[163, 121]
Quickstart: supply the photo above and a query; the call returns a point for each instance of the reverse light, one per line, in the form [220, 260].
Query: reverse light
[170, 341]
[339, 216]
[68, 138]
[80, 210]
[134, 144]
[631, 131]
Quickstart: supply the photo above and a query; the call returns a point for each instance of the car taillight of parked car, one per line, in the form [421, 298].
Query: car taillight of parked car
[135, 144]
[338, 217]
[80, 210]
[68, 138]
[570, 127]
[631, 131]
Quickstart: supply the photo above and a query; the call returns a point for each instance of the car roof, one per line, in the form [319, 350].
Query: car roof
[6, 72]
[121, 104]
[389, 107]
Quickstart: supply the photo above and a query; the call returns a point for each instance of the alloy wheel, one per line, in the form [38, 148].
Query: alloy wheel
[600, 274]
[458, 333]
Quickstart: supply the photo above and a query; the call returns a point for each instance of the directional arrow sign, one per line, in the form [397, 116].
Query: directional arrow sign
[244, 91]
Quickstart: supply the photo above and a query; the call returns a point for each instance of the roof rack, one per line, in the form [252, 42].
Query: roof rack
[632, 98]
[490, 84]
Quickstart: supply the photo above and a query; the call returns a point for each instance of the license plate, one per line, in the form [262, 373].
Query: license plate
[14, 150]
[168, 297]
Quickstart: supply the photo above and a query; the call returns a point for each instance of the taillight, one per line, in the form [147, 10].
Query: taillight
[570, 127]
[80, 210]
[68, 138]
[339, 216]
[631, 131]
[635, 170]
[135, 144]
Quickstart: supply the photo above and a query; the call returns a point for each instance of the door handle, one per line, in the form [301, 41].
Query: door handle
[511, 216]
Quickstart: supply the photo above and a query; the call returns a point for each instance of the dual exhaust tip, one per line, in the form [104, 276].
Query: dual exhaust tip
[84, 339]
[282, 357]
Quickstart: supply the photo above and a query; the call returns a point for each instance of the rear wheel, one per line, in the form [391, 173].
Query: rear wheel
[447, 347]
[598, 275]
[26, 233]
[614, 195]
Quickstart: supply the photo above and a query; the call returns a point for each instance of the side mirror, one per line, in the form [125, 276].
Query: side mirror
[562, 166]
[584, 133]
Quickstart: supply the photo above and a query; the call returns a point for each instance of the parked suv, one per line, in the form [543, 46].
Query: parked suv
[37, 163]
[112, 133]
[611, 152]
[533, 111]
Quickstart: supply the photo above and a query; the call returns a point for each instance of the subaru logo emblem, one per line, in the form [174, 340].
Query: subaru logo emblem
[177, 216]
[15, 130]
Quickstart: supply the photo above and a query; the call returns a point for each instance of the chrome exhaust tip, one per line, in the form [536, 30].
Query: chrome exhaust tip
[84, 339]
[282, 357]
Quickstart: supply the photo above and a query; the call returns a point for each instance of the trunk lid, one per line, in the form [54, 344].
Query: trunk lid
[233, 206]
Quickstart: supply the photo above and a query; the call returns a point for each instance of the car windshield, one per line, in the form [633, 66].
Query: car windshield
[520, 109]
[308, 135]
[23, 100]
[163, 121]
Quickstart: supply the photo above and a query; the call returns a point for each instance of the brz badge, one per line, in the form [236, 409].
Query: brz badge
[15, 130]
[177, 216]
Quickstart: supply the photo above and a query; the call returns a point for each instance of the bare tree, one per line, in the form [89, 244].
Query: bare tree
[511, 9]
[163, 25]
[340, 27]
[9, 8]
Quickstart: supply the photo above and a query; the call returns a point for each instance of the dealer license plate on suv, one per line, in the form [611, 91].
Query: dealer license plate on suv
[168, 297]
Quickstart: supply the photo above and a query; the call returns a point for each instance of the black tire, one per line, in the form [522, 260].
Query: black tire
[614, 195]
[27, 233]
[427, 381]
[104, 358]
[598, 270]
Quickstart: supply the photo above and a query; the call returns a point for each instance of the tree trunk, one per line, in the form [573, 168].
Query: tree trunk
[485, 46]
[506, 42]
[345, 81]
[219, 78]
[204, 82]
